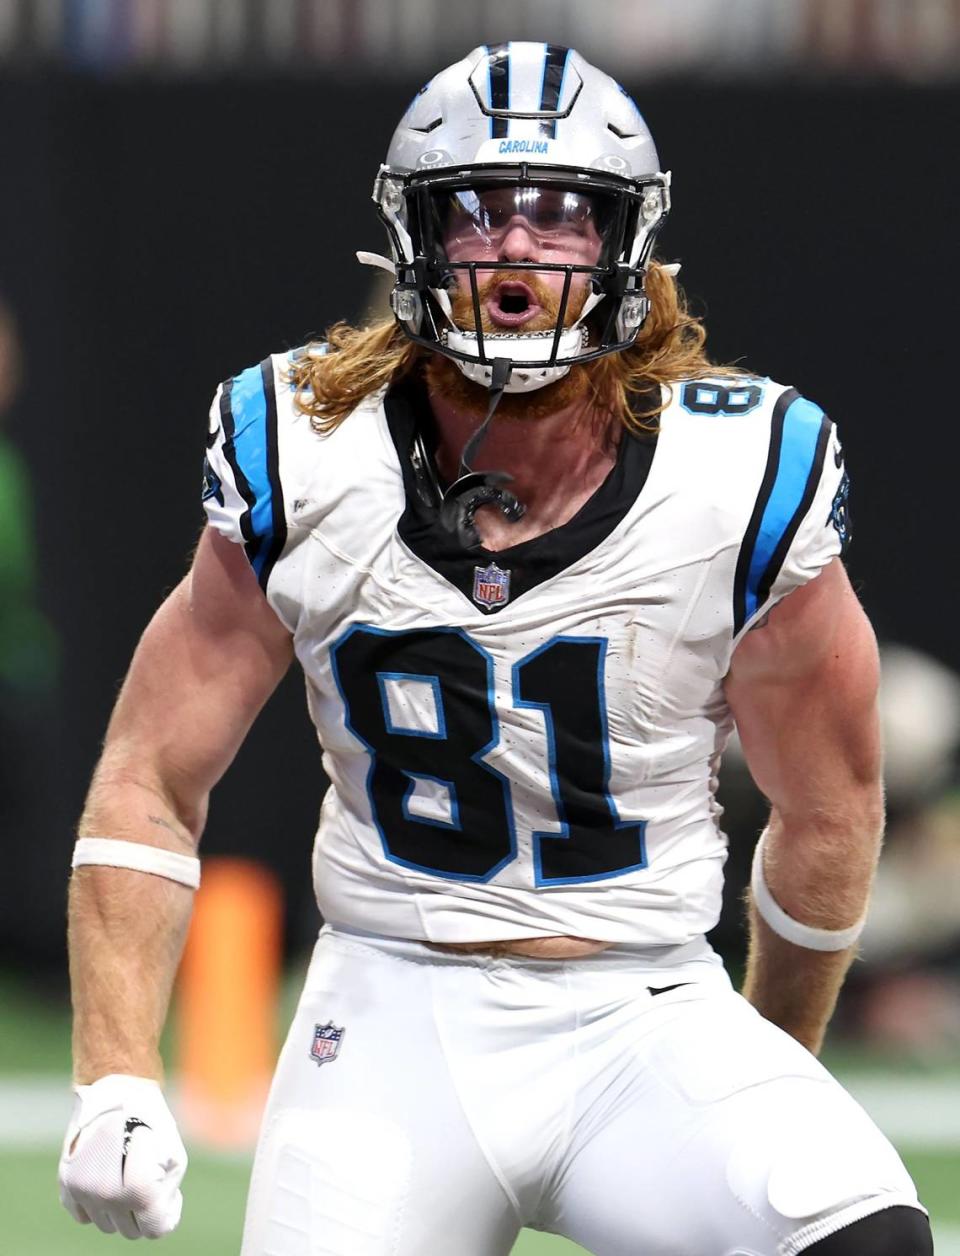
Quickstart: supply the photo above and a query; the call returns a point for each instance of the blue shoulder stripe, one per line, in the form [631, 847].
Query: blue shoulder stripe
[239, 479]
[249, 411]
[799, 433]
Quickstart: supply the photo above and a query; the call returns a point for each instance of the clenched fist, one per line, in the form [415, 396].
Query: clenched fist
[123, 1160]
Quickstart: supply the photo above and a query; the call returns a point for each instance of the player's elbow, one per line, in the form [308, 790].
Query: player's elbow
[125, 792]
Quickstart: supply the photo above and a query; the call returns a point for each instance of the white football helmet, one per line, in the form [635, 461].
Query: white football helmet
[532, 130]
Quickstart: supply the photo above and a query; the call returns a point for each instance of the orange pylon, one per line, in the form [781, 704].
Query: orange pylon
[228, 989]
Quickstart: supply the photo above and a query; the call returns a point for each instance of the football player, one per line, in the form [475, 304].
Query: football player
[535, 555]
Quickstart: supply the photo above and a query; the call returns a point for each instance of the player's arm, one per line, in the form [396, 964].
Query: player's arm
[206, 664]
[803, 691]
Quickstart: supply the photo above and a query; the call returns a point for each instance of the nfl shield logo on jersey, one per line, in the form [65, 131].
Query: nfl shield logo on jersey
[326, 1042]
[491, 586]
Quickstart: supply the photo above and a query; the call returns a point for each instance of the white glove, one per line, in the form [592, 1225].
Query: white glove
[123, 1161]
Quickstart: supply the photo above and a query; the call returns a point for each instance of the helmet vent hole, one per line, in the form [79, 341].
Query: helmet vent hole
[431, 126]
[621, 135]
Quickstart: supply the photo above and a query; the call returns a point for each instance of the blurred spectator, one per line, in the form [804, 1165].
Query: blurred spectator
[920, 709]
[905, 994]
[28, 645]
[905, 39]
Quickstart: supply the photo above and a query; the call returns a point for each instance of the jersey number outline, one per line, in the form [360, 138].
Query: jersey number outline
[476, 836]
[725, 400]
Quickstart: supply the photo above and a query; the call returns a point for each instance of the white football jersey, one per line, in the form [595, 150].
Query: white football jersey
[524, 743]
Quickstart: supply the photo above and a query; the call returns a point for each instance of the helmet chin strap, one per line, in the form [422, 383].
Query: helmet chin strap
[473, 489]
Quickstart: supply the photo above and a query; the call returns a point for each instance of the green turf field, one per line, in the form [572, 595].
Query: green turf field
[34, 1061]
[35, 1225]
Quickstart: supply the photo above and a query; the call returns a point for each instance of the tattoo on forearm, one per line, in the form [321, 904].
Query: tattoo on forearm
[163, 824]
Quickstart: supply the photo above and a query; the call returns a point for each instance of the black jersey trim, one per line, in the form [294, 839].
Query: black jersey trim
[251, 540]
[278, 537]
[531, 562]
[248, 410]
[799, 438]
[772, 569]
[763, 496]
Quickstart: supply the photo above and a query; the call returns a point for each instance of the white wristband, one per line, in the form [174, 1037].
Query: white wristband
[792, 930]
[110, 852]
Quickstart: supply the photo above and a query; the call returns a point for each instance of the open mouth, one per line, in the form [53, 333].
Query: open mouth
[511, 304]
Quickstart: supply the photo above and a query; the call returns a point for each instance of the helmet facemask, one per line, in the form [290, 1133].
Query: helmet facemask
[457, 179]
[448, 229]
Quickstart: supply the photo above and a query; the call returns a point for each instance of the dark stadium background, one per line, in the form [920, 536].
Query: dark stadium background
[185, 185]
[159, 236]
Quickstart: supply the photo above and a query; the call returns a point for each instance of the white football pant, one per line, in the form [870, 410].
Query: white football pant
[430, 1105]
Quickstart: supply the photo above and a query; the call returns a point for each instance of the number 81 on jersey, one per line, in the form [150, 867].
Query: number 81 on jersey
[422, 704]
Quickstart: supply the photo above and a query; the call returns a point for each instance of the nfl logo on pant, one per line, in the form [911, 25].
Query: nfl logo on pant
[326, 1043]
[491, 586]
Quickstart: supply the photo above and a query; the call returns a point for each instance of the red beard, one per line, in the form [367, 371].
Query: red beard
[445, 377]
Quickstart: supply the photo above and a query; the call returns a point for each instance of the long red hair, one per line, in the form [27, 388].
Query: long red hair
[359, 361]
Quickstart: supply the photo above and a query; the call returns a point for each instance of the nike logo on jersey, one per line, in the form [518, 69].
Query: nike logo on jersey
[838, 454]
[132, 1124]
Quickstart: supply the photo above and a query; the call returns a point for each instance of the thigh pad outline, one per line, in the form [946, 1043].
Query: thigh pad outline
[338, 1179]
[835, 1161]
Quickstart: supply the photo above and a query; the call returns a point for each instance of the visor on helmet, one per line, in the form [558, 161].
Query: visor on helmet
[590, 227]
[471, 223]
